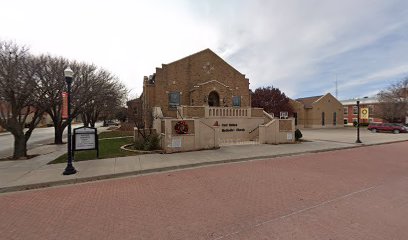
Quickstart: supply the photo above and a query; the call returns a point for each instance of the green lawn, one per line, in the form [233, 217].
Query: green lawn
[112, 134]
[108, 148]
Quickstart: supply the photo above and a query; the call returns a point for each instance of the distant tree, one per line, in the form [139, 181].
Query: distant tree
[121, 114]
[21, 97]
[393, 102]
[272, 100]
[107, 97]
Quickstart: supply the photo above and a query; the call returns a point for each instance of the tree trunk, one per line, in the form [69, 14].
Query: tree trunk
[85, 120]
[58, 131]
[20, 146]
[93, 119]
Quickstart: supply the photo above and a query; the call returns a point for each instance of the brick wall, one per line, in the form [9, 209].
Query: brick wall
[195, 77]
[194, 111]
[285, 125]
[257, 112]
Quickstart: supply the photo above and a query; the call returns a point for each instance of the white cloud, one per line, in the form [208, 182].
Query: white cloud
[294, 45]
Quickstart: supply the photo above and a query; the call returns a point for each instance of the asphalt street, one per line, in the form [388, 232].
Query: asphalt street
[358, 193]
[40, 136]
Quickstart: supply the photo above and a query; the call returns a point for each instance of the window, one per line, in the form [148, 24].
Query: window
[345, 110]
[296, 118]
[370, 109]
[334, 118]
[345, 121]
[323, 119]
[174, 100]
[370, 120]
[236, 101]
[355, 110]
[354, 121]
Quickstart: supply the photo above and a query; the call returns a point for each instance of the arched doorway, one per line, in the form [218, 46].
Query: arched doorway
[213, 99]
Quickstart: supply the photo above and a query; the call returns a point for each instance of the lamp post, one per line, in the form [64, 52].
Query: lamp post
[358, 122]
[68, 73]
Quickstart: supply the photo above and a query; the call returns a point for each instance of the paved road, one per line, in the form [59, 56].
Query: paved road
[356, 193]
[40, 136]
[349, 135]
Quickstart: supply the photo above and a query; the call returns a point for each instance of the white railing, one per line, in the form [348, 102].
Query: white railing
[227, 112]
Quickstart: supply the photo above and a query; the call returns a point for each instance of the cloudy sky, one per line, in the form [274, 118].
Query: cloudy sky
[299, 46]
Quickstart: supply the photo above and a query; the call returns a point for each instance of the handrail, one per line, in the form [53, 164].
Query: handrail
[179, 113]
[208, 126]
[253, 129]
[268, 115]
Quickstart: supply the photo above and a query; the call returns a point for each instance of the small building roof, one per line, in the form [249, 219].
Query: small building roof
[365, 100]
[308, 101]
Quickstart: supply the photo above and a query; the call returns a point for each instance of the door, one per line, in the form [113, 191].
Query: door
[213, 99]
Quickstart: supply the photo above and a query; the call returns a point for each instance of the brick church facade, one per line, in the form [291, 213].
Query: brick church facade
[201, 79]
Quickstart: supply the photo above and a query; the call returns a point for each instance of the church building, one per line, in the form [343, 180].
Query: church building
[201, 79]
[202, 102]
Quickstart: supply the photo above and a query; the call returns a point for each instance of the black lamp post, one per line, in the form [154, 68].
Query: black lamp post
[358, 122]
[68, 73]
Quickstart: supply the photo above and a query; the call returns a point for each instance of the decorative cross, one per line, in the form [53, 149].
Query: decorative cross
[208, 68]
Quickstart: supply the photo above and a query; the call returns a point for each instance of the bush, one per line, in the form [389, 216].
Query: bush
[152, 142]
[298, 135]
[362, 124]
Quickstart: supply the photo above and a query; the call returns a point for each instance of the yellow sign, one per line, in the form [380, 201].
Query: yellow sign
[364, 113]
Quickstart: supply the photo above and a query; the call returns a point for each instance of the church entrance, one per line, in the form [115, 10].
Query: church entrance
[214, 99]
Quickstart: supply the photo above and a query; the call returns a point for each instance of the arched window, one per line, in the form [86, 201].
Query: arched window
[323, 119]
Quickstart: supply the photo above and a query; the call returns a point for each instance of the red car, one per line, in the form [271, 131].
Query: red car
[387, 127]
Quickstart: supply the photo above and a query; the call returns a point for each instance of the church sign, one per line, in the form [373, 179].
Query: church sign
[231, 127]
[86, 138]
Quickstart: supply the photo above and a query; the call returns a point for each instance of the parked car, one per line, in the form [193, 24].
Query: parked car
[387, 127]
[107, 123]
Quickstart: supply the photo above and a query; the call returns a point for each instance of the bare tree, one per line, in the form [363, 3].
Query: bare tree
[393, 102]
[53, 83]
[136, 115]
[20, 94]
[107, 96]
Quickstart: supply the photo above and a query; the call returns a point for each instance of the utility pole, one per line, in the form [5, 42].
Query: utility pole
[337, 90]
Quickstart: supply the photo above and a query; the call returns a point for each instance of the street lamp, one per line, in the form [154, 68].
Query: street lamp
[69, 74]
[358, 122]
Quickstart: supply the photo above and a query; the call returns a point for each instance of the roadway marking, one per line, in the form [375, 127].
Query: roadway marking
[299, 211]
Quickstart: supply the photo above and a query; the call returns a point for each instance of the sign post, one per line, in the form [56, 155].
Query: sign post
[358, 122]
[86, 138]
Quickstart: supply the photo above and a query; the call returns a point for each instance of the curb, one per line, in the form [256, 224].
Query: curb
[171, 168]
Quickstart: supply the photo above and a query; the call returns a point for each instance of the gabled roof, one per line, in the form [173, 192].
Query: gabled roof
[201, 52]
[308, 101]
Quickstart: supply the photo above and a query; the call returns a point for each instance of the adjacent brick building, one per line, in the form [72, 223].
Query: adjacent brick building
[350, 110]
[200, 79]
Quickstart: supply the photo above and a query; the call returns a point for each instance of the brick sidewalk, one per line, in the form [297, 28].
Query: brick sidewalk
[349, 194]
[34, 173]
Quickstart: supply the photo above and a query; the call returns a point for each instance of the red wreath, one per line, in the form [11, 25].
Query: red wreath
[181, 127]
